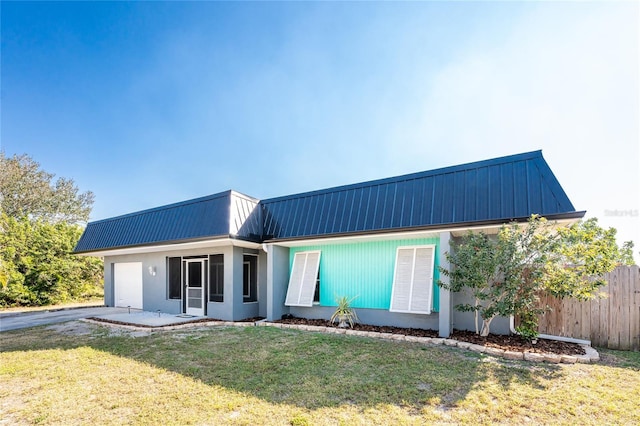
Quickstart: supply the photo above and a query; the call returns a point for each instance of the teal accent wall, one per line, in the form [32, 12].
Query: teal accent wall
[364, 270]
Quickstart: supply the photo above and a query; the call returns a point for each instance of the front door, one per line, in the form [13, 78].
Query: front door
[195, 285]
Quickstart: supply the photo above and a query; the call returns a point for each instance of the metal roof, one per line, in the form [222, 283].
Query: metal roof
[496, 190]
[227, 214]
[491, 191]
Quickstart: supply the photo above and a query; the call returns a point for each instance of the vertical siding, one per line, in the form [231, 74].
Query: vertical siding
[364, 271]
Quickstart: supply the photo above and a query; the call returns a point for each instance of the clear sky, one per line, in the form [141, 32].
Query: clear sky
[150, 103]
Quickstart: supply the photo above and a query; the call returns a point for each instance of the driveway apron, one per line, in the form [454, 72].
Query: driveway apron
[32, 319]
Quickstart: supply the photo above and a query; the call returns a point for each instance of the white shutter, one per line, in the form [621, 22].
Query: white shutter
[422, 281]
[302, 282]
[413, 280]
[295, 280]
[309, 279]
[401, 293]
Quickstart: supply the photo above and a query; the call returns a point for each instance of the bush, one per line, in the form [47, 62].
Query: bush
[37, 266]
[507, 273]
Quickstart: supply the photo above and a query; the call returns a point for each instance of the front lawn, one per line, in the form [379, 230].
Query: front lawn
[79, 373]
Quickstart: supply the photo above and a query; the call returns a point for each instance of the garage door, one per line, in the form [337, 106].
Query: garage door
[127, 279]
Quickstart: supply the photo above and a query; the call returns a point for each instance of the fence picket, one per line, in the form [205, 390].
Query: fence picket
[613, 321]
[634, 311]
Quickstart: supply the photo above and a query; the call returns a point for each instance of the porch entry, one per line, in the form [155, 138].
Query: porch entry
[195, 273]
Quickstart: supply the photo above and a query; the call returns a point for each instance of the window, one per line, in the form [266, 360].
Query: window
[316, 293]
[250, 278]
[174, 278]
[216, 278]
[304, 279]
[413, 280]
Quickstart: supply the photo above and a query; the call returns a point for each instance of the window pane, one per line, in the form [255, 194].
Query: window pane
[216, 278]
[175, 278]
[250, 278]
[246, 272]
[195, 298]
[195, 274]
[316, 293]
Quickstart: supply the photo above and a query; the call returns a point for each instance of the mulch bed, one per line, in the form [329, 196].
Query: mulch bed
[507, 343]
[254, 319]
[519, 344]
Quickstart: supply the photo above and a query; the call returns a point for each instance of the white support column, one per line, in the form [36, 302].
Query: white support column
[445, 315]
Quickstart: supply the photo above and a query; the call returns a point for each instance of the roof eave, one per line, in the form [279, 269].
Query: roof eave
[568, 217]
[183, 244]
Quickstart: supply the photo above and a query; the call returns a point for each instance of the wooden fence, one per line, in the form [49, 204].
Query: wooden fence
[611, 322]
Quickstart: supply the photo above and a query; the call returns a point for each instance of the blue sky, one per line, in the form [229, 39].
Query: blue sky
[151, 103]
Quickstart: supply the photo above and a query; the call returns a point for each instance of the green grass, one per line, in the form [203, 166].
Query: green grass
[264, 375]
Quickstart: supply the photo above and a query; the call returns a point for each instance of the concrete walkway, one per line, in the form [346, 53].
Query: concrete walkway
[16, 321]
[150, 319]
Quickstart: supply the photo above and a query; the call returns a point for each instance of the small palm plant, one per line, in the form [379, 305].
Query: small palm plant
[344, 314]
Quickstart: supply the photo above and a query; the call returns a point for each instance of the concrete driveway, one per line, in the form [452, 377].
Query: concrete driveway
[15, 321]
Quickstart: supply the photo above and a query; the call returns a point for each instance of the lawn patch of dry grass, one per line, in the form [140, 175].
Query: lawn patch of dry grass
[264, 375]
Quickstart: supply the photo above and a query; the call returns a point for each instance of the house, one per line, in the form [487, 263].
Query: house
[231, 256]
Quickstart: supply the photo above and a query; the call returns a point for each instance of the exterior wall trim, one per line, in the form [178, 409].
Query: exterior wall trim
[190, 245]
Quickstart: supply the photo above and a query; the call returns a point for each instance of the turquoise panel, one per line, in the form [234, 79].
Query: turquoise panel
[364, 271]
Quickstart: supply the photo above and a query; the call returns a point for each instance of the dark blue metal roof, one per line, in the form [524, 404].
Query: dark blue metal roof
[497, 190]
[491, 191]
[227, 214]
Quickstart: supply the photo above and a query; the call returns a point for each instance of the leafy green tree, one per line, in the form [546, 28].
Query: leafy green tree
[38, 231]
[26, 190]
[578, 256]
[476, 266]
[506, 273]
[626, 254]
[37, 265]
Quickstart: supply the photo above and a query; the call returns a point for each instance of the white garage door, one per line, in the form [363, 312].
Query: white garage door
[127, 279]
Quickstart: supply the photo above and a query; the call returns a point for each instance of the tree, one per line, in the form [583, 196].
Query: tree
[626, 254]
[507, 273]
[578, 256]
[38, 231]
[26, 190]
[476, 265]
[37, 265]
